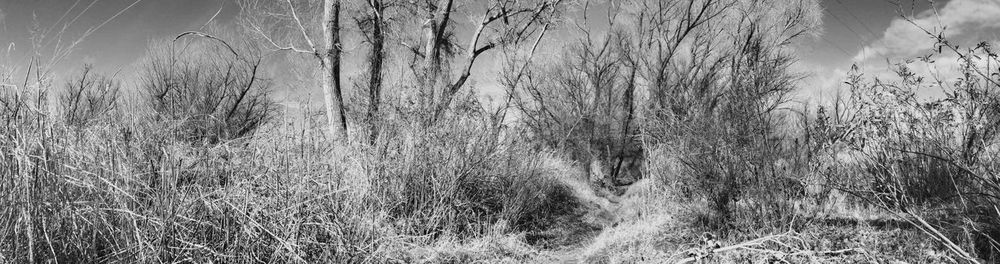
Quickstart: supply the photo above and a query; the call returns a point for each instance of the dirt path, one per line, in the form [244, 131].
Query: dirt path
[566, 256]
[601, 212]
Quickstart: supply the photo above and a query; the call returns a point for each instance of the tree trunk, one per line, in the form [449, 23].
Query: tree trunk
[375, 72]
[629, 97]
[331, 70]
[434, 32]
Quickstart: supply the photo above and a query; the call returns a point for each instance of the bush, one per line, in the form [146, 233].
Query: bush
[88, 98]
[923, 155]
[209, 92]
[583, 102]
[94, 195]
[462, 176]
[717, 111]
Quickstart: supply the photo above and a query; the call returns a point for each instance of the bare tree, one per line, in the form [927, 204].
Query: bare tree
[374, 26]
[504, 22]
[332, 92]
[213, 92]
[88, 98]
[270, 18]
[717, 74]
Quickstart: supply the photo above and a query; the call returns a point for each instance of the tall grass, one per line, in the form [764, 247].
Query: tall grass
[199, 165]
[922, 157]
[129, 192]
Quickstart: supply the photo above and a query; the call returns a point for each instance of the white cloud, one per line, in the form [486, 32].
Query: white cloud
[965, 20]
[819, 83]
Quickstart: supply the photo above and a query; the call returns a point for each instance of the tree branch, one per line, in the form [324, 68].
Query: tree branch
[205, 35]
[275, 45]
[302, 28]
[415, 50]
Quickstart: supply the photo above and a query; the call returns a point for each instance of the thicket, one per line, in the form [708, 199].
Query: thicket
[705, 89]
[200, 164]
[258, 192]
[205, 91]
[929, 159]
[89, 98]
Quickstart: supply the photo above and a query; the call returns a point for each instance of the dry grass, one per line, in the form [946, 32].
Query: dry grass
[121, 193]
[648, 215]
[658, 228]
[197, 167]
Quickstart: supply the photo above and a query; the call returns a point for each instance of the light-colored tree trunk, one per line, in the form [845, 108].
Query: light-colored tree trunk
[330, 54]
[434, 31]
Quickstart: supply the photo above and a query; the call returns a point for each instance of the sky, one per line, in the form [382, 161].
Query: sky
[118, 43]
[863, 32]
[850, 29]
[873, 35]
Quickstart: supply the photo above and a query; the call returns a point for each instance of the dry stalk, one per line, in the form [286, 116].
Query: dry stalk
[757, 245]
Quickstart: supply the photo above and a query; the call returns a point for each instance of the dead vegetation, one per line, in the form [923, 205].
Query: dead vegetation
[668, 137]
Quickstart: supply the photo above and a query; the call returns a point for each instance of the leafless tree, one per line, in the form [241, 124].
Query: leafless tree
[373, 24]
[503, 22]
[718, 71]
[213, 92]
[270, 19]
[587, 101]
[88, 97]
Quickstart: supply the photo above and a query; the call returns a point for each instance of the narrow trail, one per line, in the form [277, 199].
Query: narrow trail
[604, 216]
[567, 256]
[602, 207]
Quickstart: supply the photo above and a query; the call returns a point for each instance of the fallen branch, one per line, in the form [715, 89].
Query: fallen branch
[756, 245]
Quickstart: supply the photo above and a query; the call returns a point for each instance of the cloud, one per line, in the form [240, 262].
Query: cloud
[964, 20]
[819, 84]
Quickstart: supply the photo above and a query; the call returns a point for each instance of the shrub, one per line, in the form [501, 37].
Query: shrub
[95, 195]
[927, 152]
[462, 176]
[583, 103]
[209, 92]
[717, 107]
[88, 98]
